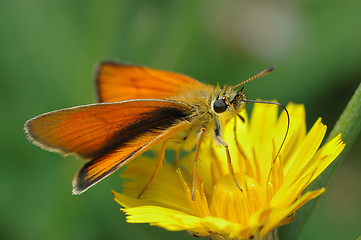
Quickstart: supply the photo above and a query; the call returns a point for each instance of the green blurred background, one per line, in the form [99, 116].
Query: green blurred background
[49, 50]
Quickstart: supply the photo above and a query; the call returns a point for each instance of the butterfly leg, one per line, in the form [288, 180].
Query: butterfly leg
[221, 141]
[196, 156]
[176, 157]
[157, 167]
[240, 149]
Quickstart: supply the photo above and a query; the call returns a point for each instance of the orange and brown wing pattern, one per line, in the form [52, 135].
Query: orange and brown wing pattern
[111, 134]
[99, 168]
[119, 82]
[96, 129]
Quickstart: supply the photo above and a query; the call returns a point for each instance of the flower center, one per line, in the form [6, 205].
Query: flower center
[232, 204]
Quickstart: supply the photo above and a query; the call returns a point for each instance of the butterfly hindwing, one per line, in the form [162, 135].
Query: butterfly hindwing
[99, 168]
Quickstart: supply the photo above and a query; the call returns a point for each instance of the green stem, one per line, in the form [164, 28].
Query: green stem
[349, 125]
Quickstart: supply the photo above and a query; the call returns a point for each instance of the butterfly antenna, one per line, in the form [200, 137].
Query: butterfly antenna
[258, 75]
[288, 122]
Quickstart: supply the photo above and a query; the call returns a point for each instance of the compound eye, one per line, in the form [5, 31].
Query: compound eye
[219, 106]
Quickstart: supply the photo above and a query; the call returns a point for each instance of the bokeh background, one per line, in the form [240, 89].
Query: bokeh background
[48, 52]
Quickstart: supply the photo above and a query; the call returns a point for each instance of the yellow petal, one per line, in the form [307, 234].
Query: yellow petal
[276, 218]
[293, 165]
[167, 218]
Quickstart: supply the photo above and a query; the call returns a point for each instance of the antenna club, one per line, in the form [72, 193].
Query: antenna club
[264, 72]
[270, 69]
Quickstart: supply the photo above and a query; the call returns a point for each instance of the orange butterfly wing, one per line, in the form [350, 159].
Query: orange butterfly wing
[111, 134]
[99, 168]
[119, 82]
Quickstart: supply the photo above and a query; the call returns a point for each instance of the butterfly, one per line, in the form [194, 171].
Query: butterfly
[138, 108]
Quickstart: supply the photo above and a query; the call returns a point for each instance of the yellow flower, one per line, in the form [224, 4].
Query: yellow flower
[271, 186]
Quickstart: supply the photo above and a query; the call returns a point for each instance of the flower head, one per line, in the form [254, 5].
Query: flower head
[272, 182]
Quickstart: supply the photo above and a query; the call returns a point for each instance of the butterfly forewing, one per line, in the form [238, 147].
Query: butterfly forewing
[119, 82]
[111, 134]
[97, 129]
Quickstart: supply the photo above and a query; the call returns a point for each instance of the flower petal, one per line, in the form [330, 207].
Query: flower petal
[276, 218]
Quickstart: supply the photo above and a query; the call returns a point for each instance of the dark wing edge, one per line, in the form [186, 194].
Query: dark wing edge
[82, 182]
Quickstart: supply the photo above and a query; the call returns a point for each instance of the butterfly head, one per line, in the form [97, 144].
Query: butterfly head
[229, 99]
[235, 100]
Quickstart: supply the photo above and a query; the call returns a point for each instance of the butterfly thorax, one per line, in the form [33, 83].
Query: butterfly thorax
[204, 114]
